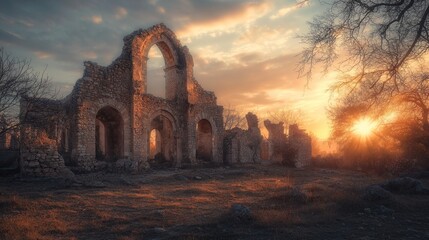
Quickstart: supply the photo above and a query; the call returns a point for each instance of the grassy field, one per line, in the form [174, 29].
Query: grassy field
[284, 203]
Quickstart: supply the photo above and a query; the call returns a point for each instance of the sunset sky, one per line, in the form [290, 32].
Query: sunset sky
[244, 51]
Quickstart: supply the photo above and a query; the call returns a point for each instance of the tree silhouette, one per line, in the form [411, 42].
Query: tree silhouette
[19, 80]
[380, 48]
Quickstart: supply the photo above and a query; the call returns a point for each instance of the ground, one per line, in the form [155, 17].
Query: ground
[276, 203]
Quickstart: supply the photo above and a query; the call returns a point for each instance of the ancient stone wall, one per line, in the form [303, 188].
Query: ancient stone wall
[300, 141]
[210, 116]
[38, 154]
[243, 146]
[109, 115]
[277, 139]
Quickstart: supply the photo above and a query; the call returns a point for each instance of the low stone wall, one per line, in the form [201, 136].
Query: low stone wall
[43, 161]
[39, 156]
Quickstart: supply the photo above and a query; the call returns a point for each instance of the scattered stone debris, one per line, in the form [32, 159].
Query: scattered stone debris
[402, 185]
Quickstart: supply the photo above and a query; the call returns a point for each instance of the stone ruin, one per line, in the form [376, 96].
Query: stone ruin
[243, 146]
[110, 121]
[301, 142]
[297, 140]
[276, 140]
[108, 118]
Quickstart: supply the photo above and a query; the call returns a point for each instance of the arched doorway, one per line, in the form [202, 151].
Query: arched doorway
[204, 137]
[154, 143]
[162, 143]
[109, 134]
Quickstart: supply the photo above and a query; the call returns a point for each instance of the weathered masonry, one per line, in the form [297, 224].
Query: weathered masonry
[110, 118]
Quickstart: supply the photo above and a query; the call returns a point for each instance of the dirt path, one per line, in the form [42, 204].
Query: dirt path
[270, 202]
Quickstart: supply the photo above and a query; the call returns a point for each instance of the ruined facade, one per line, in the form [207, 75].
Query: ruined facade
[297, 142]
[109, 116]
[300, 141]
[243, 146]
[276, 140]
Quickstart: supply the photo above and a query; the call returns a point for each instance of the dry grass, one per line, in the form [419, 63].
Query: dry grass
[279, 199]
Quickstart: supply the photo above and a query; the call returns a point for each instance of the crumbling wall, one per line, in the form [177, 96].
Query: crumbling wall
[120, 90]
[266, 150]
[243, 146]
[301, 142]
[198, 95]
[38, 154]
[213, 115]
[277, 139]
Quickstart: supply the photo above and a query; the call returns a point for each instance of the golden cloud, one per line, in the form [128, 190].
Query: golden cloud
[284, 11]
[96, 19]
[247, 13]
[121, 13]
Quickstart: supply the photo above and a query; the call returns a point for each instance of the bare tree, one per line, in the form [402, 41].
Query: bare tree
[380, 47]
[232, 118]
[375, 40]
[287, 116]
[17, 80]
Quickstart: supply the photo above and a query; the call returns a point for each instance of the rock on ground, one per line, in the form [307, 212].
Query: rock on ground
[405, 185]
[240, 213]
[376, 193]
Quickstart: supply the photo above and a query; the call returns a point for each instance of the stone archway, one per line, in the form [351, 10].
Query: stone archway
[167, 149]
[164, 147]
[216, 137]
[174, 59]
[204, 139]
[155, 143]
[109, 134]
[178, 69]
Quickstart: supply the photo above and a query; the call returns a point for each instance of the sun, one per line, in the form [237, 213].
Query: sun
[364, 127]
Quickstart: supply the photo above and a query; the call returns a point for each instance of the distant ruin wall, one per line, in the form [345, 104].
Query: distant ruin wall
[243, 146]
[277, 140]
[301, 142]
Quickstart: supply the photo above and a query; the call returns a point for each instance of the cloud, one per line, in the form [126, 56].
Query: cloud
[96, 19]
[226, 20]
[283, 11]
[161, 10]
[120, 13]
[42, 55]
[9, 36]
[247, 59]
[267, 41]
[229, 81]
